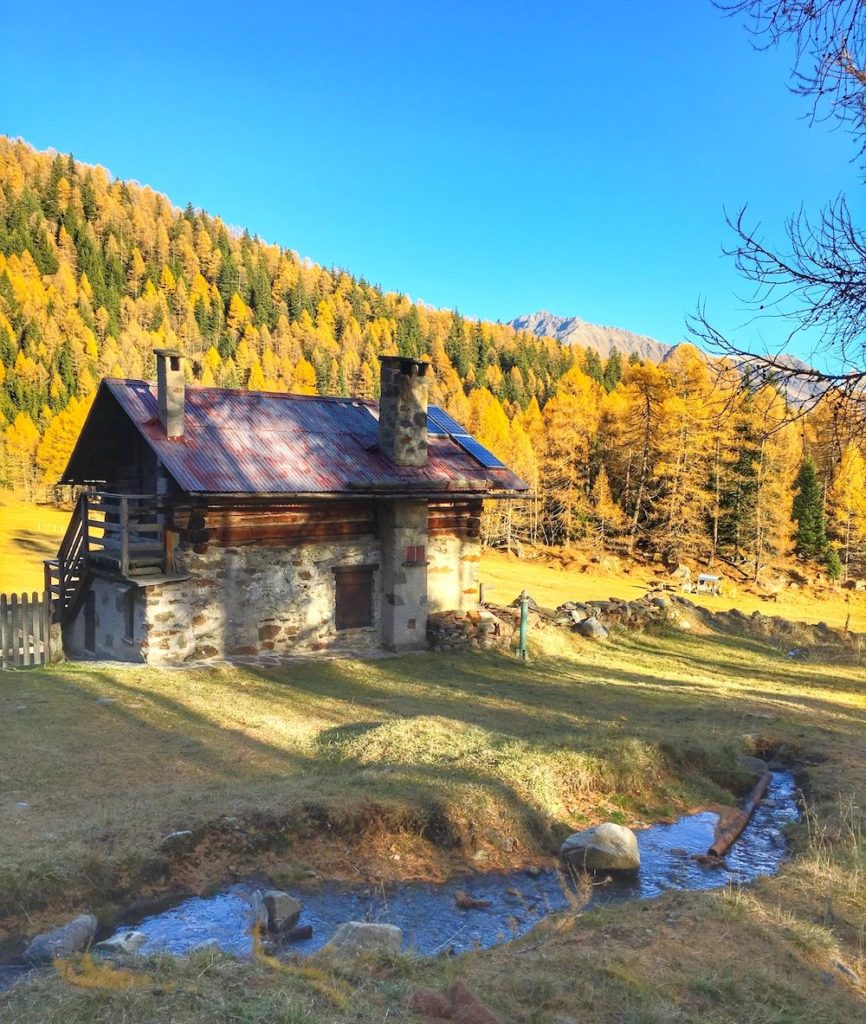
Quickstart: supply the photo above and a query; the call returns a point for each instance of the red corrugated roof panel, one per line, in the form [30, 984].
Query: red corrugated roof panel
[254, 442]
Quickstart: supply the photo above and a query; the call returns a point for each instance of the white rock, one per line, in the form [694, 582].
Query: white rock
[260, 911]
[123, 942]
[592, 629]
[607, 847]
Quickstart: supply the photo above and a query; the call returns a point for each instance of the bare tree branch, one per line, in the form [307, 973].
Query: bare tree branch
[814, 285]
[829, 39]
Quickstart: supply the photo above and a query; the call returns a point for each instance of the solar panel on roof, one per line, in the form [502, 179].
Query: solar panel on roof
[478, 451]
[441, 422]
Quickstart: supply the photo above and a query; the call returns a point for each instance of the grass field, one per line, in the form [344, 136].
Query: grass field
[28, 535]
[551, 584]
[343, 766]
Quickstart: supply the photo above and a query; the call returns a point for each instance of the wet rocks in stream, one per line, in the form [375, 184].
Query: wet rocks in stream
[62, 942]
[365, 936]
[607, 847]
[283, 911]
[498, 907]
[122, 943]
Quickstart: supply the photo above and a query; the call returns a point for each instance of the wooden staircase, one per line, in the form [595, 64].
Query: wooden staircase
[67, 576]
[117, 534]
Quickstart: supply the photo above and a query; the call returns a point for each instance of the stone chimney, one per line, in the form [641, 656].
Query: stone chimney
[170, 390]
[403, 410]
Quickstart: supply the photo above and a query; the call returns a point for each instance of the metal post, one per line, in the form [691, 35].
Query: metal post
[523, 651]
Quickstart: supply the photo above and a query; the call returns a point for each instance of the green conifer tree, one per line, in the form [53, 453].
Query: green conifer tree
[810, 537]
[832, 562]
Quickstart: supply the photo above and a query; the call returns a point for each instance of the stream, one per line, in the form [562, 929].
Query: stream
[431, 921]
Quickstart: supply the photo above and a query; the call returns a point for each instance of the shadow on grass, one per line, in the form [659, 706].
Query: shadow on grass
[35, 543]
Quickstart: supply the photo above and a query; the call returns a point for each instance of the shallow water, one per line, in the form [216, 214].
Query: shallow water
[431, 921]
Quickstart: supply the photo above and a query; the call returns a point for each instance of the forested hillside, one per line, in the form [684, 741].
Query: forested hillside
[95, 273]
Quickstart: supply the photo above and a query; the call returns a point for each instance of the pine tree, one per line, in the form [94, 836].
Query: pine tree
[810, 536]
[832, 562]
[612, 370]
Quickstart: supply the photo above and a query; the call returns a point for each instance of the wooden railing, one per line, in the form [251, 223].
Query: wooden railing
[25, 630]
[118, 533]
[65, 576]
[125, 532]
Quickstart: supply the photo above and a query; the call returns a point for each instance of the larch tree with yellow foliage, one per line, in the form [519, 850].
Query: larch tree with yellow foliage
[607, 515]
[846, 507]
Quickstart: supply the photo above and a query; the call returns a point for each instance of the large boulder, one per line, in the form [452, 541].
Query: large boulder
[365, 936]
[591, 628]
[283, 910]
[607, 847]
[259, 913]
[62, 942]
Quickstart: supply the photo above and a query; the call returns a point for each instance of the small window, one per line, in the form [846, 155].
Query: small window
[416, 554]
[90, 622]
[354, 596]
[129, 615]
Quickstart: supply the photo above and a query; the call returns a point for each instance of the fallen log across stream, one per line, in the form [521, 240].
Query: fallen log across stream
[729, 830]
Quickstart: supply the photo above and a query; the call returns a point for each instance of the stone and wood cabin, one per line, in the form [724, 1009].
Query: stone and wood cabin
[219, 523]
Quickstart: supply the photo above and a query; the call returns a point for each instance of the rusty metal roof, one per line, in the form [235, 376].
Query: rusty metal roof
[256, 442]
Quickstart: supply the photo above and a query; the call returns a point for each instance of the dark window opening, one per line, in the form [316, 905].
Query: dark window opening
[90, 622]
[354, 596]
[129, 616]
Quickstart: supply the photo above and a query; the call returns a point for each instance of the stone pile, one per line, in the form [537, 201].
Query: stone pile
[594, 619]
[458, 631]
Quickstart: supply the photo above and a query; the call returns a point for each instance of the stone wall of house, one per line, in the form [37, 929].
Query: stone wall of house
[403, 530]
[449, 589]
[257, 599]
[116, 607]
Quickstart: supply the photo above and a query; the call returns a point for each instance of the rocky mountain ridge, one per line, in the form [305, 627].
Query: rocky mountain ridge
[572, 330]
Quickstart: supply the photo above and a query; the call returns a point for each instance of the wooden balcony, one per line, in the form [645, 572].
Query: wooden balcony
[124, 533]
[116, 534]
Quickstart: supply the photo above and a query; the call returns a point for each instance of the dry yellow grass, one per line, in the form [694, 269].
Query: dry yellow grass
[28, 534]
[632, 727]
[550, 585]
[99, 762]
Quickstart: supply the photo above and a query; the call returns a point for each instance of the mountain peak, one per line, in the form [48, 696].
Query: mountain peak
[572, 330]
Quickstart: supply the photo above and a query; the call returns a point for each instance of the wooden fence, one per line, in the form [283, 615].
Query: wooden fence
[25, 630]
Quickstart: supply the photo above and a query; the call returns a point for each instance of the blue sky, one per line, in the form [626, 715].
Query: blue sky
[498, 157]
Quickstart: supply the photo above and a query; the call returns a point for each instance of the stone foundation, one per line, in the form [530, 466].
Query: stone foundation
[252, 590]
[256, 600]
[117, 605]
